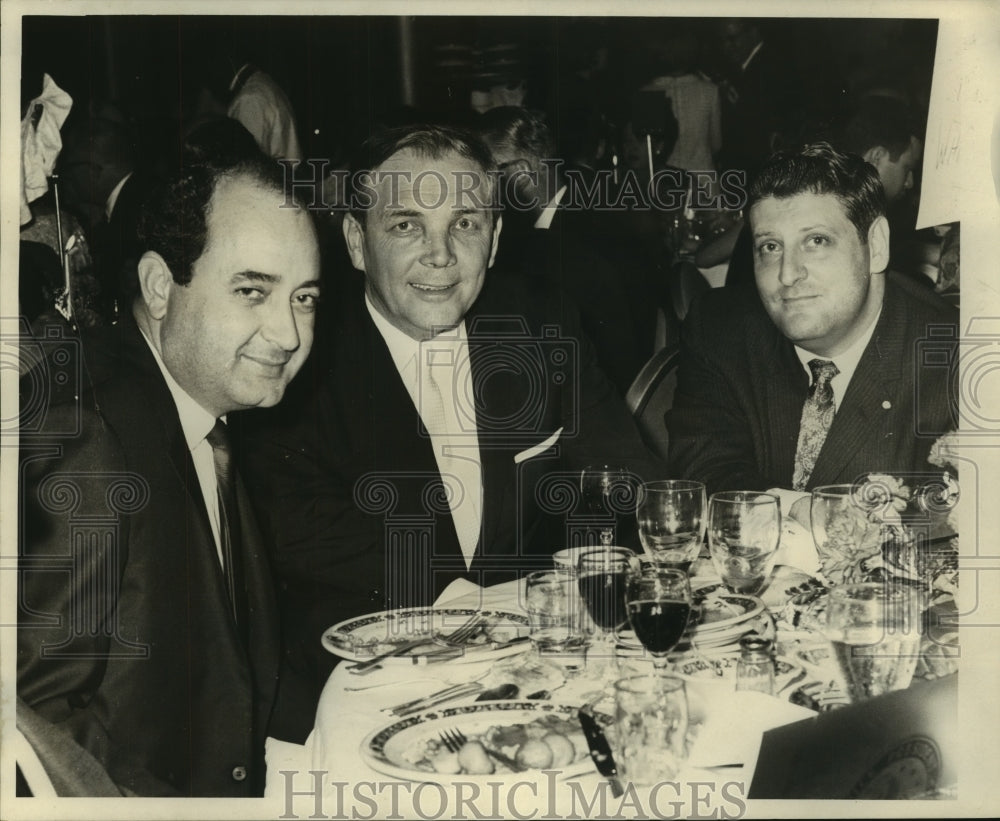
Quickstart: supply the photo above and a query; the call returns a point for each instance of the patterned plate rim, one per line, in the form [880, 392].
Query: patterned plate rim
[373, 745]
[335, 638]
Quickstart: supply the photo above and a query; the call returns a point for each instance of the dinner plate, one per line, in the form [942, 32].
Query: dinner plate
[404, 749]
[363, 637]
[721, 610]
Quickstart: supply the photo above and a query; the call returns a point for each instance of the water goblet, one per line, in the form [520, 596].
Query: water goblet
[744, 529]
[671, 518]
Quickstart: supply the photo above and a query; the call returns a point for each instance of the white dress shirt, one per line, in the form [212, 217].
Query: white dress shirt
[197, 423]
[445, 359]
[847, 362]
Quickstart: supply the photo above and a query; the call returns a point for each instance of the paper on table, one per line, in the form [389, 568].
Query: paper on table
[735, 722]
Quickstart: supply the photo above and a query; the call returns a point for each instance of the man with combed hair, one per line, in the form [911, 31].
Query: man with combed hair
[147, 629]
[442, 402]
[834, 336]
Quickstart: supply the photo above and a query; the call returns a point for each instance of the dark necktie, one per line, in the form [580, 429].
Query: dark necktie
[817, 415]
[229, 515]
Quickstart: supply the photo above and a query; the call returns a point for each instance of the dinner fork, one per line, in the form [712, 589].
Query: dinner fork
[455, 739]
[463, 633]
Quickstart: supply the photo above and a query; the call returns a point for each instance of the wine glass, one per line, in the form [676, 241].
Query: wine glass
[607, 492]
[671, 517]
[744, 529]
[601, 576]
[658, 603]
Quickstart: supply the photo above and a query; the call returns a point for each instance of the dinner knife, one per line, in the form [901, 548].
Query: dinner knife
[600, 751]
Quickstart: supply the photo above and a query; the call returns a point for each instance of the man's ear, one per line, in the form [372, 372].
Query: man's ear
[496, 241]
[354, 236]
[876, 155]
[155, 282]
[878, 245]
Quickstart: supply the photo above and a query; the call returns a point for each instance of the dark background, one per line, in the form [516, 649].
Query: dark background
[344, 74]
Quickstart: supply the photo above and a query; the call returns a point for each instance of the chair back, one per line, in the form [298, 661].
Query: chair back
[651, 395]
[687, 283]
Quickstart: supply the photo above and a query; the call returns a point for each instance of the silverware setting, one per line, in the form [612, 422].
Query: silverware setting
[455, 739]
[462, 634]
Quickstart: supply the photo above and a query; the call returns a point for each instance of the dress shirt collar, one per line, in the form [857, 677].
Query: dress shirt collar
[109, 206]
[405, 350]
[196, 422]
[847, 362]
[548, 214]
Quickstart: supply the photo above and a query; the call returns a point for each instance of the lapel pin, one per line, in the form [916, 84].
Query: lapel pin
[886, 404]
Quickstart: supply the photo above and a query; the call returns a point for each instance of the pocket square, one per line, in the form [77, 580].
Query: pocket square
[541, 447]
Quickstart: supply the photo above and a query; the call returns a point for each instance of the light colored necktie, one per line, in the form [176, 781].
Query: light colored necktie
[455, 446]
[817, 416]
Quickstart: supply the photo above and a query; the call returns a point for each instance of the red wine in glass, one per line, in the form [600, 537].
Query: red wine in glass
[659, 624]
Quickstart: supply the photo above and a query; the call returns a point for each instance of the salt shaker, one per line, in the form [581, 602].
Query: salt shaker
[755, 669]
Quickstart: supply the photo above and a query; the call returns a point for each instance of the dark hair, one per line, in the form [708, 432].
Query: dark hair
[880, 120]
[434, 141]
[174, 218]
[517, 130]
[821, 169]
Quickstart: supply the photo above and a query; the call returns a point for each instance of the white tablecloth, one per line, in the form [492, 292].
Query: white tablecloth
[329, 774]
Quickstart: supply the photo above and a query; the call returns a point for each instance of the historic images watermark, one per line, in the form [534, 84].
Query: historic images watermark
[669, 189]
[498, 800]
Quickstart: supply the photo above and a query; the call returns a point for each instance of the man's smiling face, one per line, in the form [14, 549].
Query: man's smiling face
[814, 274]
[427, 241]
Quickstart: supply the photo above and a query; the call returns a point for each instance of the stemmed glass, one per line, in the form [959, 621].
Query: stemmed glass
[671, 517]
[658, 603]
[744, 529]
[607, 491]
[601, 575]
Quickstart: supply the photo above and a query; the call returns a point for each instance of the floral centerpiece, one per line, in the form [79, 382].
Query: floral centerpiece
[896, 530]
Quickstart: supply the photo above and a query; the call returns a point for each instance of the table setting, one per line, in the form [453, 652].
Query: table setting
[632, 679]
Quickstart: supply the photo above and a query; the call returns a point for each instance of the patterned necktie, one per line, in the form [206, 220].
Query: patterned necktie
[229, 516]
[817, 415]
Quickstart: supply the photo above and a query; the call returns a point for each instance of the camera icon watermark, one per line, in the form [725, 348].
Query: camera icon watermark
[968, 368]
[499, 386]
[48, 364]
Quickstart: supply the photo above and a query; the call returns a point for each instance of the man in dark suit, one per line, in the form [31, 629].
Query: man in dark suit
[147, 624]
[448, 416]
[758, 404]
[550, 233]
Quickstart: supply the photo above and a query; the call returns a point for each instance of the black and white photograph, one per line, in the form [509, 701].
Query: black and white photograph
[425, 410]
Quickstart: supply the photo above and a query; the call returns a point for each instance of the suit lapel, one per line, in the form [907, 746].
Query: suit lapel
[785, 386]
[136, 352]
[859, 423]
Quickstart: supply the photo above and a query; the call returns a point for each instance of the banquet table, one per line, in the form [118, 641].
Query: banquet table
[331, 776]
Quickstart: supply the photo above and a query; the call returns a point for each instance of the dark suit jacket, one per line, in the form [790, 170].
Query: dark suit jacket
[348, 482]
[735, 418]
[125, 633]
[610, 282]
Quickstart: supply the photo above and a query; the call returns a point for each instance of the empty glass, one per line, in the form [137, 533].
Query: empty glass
[651, 714]
[744, 529]
[671, 518]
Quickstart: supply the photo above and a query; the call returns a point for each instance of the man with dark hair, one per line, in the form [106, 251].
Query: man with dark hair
[819, 381]
[549, 233]
[442, 406]
[884, 132]
[147, 625]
